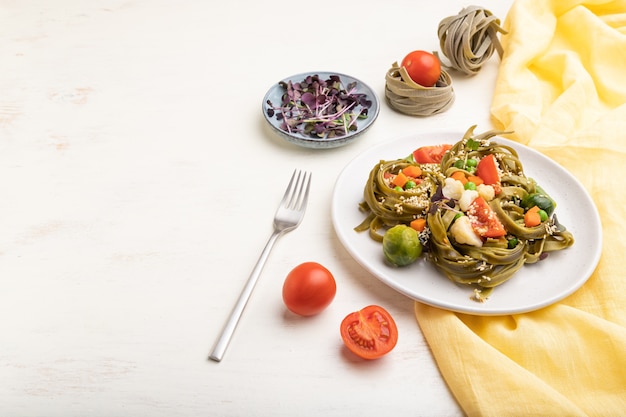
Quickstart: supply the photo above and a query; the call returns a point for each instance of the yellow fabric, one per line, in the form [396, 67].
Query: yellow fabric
[561, 88]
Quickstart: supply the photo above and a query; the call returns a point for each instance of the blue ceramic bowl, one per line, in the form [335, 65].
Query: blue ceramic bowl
[275, 94]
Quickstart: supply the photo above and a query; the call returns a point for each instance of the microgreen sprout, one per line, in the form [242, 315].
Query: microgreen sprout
[472, 144]
[320, 108]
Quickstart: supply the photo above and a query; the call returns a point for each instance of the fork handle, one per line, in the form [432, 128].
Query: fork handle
[229, 328]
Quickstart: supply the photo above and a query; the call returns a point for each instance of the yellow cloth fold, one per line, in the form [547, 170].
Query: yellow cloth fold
[561, 88]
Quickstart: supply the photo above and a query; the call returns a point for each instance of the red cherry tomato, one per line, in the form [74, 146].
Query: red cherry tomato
[430, 154]
[484, 220]
[487, 169]
[369, 333]
[423, 67]
[308, 289]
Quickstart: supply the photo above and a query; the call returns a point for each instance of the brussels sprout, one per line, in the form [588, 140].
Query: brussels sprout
[401, 245]
[540, 199]
[543, 201]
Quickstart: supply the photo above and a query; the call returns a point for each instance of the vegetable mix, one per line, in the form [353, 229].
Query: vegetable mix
[476, 214]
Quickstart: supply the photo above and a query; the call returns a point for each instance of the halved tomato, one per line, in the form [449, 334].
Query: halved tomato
[370, 332]
[484, 220]
[430, 154]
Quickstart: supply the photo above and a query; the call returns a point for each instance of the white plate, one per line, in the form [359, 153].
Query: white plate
[532, 287]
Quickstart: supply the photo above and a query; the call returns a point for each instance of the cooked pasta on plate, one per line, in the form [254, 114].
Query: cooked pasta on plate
[486, 211]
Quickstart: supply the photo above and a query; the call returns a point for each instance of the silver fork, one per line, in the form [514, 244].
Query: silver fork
[288, 216]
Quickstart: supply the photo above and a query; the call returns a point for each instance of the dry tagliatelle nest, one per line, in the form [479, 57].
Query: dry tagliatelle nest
[408, 97]
[470, 38]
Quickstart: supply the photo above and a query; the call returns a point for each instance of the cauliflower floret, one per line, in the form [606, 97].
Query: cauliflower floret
[467, 197]
[452, 188]
[462, 231]
[486, 191]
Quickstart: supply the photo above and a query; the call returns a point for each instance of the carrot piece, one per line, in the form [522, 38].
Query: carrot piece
[532, 217]
[400, 180]
[475, 179]
[412, 171]
[459, 176]
[418, 224]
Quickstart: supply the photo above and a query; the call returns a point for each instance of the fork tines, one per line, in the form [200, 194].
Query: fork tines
[297, 192]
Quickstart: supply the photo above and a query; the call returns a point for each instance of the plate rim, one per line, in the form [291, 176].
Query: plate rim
[481, 309]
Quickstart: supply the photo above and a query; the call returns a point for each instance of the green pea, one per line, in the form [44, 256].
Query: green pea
[543, 215]
[512, 242]
[472, 162]
[469, 186]
[410, 184]
[459, 164]
[398, 188]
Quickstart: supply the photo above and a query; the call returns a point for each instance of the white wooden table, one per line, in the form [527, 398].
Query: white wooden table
[138, 181]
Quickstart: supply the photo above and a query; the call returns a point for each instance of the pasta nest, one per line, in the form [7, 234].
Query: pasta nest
[470, 38]
[409, 97]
